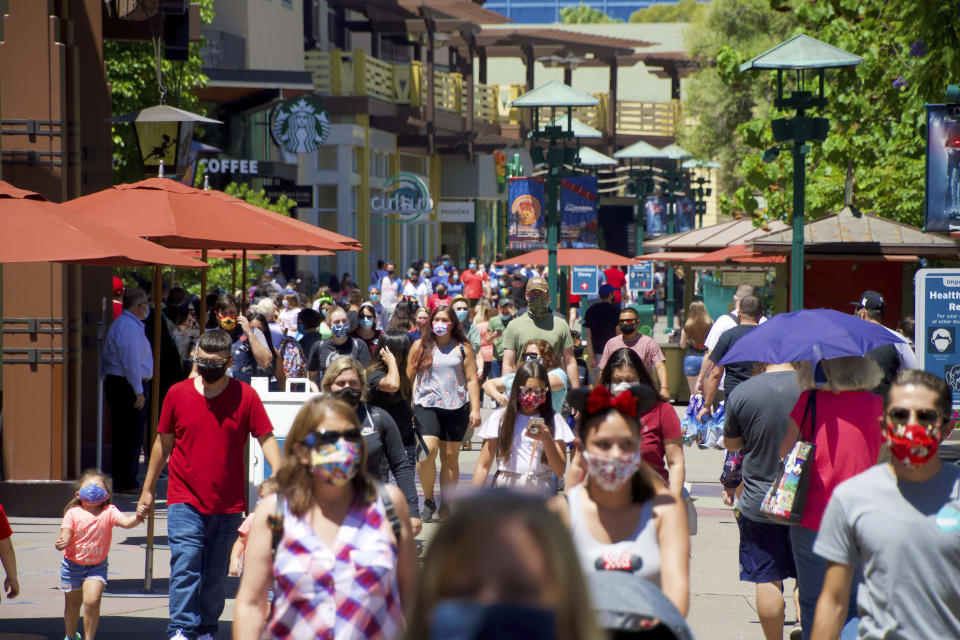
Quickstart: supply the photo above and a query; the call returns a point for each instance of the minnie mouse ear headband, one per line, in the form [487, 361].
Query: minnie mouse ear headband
[638, 399]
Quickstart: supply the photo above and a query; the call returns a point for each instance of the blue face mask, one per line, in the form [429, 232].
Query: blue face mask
[505, 317]
[467, 620]
[456, 277]
[340, 330]
[366, 323]
[374, 297]
[462, 314]
[446, 264]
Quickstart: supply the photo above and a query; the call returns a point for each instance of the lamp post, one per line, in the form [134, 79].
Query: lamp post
[558, 152]
[164, 134]
[643, 179]
[700, 193]
[675, 182]
[800, 54]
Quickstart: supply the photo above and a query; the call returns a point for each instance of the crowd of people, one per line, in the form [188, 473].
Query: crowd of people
[579, 523]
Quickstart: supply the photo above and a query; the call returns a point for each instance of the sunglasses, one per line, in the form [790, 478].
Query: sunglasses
[539, 392]
[203, 362]
[532, 356]
[322, 438]
[626, 321]
[925, 417]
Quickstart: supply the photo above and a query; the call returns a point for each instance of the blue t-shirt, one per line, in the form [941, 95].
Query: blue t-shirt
[556, 397]
[455, 288]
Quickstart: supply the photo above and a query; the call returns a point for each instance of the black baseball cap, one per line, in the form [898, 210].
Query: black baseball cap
[871, 301]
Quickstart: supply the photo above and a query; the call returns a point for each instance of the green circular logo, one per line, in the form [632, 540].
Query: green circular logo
[300, 125]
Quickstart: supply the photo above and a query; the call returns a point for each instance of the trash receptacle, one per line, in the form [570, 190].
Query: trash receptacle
[645, 311]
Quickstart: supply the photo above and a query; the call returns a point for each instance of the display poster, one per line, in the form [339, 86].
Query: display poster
[640, 277]
[655, 210]
[686, 215]
[583, 280]
[578, 212]
[942, 193]
[937, 313]
[527, 214]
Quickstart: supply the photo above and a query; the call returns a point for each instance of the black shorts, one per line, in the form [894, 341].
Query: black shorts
[765, 551]
[450, 425]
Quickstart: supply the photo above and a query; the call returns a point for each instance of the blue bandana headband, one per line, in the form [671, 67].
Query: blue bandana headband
[92, 494]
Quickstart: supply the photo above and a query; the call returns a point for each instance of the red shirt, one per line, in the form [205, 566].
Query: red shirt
[207, 463]
[5, 531]
[435, 301]
[659, 423]
[472, 284]
[616, 279]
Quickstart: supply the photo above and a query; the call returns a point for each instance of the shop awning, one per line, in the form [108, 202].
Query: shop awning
[737, 253]
[669, 256]
[570, 257]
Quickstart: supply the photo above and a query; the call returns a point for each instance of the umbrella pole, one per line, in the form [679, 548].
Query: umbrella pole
[101, 334]
[202, 318]
[233, 273]
[243, 283]
[154, 416]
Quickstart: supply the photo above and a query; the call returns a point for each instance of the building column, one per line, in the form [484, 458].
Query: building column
[363, 202]
[612, 107]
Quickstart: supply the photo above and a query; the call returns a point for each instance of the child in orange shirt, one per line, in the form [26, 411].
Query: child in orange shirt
[267, 487]
[85, 535]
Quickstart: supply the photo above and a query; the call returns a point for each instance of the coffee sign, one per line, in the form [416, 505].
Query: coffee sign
[230, 165]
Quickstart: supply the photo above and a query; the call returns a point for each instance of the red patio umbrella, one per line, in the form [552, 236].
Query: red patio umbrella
[36, 230]
[569, 258]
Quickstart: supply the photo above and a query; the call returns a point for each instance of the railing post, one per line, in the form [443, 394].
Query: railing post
[495, 107]
[336, 72]
[359, 72]
[457, 93]
[416, 83]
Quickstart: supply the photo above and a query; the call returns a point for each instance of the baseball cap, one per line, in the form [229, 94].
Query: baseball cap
[117, 285]
[871, 301]
[626, 602]
[537, 284]
[505, 301]
[309, 318]
[605, 290]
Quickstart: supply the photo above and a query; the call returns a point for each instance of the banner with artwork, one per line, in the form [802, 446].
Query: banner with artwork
[655, 211]
[686, 215]
[528, 219]
[578, 212]
[942, 205]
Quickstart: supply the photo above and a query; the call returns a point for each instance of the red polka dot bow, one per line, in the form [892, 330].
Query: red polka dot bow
[601, 398]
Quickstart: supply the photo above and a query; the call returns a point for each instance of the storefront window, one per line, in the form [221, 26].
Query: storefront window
[327, 158]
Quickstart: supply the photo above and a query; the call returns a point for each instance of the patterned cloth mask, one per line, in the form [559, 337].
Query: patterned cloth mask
[92, 494]
[530, 400]
[539, 306]
[440, 328]
[340, 330]
[912, 444]
[336, 463]
[612, 473]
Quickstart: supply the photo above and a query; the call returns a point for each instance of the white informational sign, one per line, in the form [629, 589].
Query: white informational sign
[737, 278]
[457, 211]
[937, 313]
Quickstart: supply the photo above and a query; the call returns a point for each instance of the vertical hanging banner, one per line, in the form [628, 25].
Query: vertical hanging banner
[942, 193]
[578, 212]
[686, 215]
[528, 217]
[655, 210]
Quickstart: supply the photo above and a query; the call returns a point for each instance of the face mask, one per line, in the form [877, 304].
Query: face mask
[456, 277]
[228, 323]
[349, 395]
[461, 314]
[442, 293]
[539, 306]
[92, 494]
[612, 473]
[366, 323]
[211, 373]
[914, 446]
[336, 463]
[428, 272]
[467, 620]
[530, 400]
[473, 265]
[578, 352]
[441, 328]
[626, 328]
[390, 272]
[374, 297]
[340, 330]
[620, 387]
[505, 316]
[446, 264]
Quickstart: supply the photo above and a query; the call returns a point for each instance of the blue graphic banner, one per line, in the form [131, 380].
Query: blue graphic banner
[937, 312]
[942, 193]
[578, 212]
[583, 280]
[528, 221]
[640, 277]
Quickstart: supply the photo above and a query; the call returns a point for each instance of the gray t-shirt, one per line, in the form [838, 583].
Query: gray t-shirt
[758, 411]
[910, 557]
[324, 352]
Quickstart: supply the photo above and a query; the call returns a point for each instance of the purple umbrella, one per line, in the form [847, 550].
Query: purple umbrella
[809, 334]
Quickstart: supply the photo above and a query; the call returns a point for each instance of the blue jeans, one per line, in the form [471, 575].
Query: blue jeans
[811, 570]
[199, 558]
[496, 369]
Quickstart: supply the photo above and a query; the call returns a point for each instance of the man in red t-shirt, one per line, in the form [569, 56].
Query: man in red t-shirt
[472, 283]
[617, 280]
[203, 429]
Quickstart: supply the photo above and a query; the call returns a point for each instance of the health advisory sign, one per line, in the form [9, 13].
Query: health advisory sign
[937, 313]
[528, 217]
[578, 212]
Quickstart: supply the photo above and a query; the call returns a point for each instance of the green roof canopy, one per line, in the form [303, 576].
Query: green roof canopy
[802, 52]
[700, 164]
[674, 152]
[593, 158]
[555, 94]
[580, 129]
[639, 150]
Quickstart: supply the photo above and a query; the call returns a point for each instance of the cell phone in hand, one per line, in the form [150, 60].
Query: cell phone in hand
[534, 426]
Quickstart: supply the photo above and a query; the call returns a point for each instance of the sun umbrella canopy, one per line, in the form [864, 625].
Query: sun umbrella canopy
[809, 335]
[179, 216]
[569, 258]
[35, 230]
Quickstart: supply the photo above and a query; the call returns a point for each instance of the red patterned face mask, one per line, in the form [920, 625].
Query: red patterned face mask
[912, 444]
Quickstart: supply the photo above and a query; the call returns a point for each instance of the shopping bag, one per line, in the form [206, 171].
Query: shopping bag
[787, 495]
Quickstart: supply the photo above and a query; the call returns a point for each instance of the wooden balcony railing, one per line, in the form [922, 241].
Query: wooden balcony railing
[356, 73]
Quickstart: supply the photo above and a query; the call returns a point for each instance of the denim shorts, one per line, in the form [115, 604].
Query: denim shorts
[691, 365]
[72, 574]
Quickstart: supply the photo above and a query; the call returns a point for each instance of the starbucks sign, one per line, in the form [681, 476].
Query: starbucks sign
[300, 125]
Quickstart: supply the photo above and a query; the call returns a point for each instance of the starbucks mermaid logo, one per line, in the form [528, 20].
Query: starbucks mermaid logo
[300, 125]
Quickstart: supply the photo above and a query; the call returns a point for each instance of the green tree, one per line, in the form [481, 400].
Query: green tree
[132, 73]
[582, 14]
[876, 141]
[682, 11]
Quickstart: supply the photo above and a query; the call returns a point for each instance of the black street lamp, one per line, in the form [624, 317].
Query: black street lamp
[164, 134]
[800, 54]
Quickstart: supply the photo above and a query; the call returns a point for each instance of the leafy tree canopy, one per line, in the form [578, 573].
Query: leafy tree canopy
[132, 74]
[876, 141]
[582, 14]
[682, 11]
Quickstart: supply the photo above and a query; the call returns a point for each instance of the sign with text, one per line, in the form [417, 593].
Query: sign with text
[299, 193]
[937, 313]
[457, 211]
[229, 165]
[528, 217]
[640, 277]
[583, 280]
[578, 212]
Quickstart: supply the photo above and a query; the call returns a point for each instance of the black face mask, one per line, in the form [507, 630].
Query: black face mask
[349, 395]
[578, 352]
[627, 328]
[211, 373]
